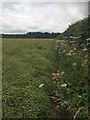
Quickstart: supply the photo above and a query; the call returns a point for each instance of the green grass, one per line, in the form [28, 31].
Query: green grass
[28, 63]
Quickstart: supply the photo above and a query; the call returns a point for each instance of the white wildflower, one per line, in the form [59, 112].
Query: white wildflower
[81, 45]
[41, 85]
[88, 39]
[71, 41]
[58, 40]
[69, 54]
[86, 56]
[62, 73]
[83, 64]
[74, 48]
[74, 64]
[79, 96]
[55, 48]
[88, 43]
[71, 51]
[85, 49]
[64, 50]
[61, 43]
[69, 83]
[85, 61]
[57, 74]
[53, 74]
[64, 85]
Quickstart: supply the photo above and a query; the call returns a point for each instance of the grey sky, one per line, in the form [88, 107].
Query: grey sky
[22, 17]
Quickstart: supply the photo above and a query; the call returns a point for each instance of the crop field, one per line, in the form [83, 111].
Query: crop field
[44, 78]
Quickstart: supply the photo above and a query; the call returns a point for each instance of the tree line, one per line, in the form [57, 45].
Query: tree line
[31, 35]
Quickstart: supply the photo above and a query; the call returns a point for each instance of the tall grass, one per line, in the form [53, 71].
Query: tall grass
[44, 78]
[26, 65]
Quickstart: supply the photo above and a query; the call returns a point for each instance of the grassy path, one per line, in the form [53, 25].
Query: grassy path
[26, 65]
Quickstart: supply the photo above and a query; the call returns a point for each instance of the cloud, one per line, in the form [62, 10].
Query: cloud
[22, 17]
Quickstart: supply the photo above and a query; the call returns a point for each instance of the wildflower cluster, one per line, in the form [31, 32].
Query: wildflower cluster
[72, 86]
[56, 76]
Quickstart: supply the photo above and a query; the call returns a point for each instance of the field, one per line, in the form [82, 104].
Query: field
[44, 78]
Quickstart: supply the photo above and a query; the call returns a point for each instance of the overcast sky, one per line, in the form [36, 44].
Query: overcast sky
[23, 17]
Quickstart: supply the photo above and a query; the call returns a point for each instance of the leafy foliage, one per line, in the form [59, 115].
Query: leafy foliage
[79, 29]
[72, 84]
